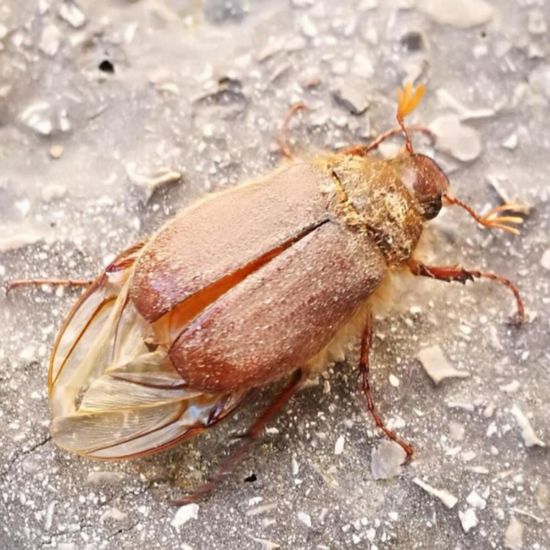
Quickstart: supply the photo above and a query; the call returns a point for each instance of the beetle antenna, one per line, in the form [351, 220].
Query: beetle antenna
[408, 99]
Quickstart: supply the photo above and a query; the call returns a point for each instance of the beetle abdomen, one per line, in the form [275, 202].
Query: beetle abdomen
[282, 314]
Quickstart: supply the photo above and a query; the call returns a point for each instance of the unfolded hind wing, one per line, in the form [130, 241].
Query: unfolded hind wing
[113, 394]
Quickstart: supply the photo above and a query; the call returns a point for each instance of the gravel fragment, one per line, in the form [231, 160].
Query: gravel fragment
[476, 501]
[455, 138]
[444, 496]
[387, 459]
[50, 40]
[304, 518]
[539, 80]
[150, 183]
[185, 514]
[103, 477]
[70, 12]
[513, 536]
[339, 445]
[38, 117]
[527, 432]
[468, 519]
[437, 366]
[463, 14]
[351, 93]
[545, 259]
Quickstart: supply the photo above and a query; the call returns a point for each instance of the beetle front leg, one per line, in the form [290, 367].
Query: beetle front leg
[362, 150]
[493, 218]
[364, 369]
[253, 433]
[461, 275]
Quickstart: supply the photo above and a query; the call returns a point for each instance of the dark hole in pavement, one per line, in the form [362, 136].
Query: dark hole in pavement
[106, 66]
[251, 478]
[412, 41]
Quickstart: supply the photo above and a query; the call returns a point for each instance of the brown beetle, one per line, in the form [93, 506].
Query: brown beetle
[248, 286]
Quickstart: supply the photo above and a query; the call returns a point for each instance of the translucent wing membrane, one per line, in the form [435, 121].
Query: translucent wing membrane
[111, 395]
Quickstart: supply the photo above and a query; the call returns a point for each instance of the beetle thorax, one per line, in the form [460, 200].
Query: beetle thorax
[368, 195]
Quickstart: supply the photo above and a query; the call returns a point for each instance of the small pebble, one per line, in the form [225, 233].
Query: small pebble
[545, 260]
[185, 514]
[463, 14]
[437, 366]
[387, 459]
[513, 537]
[103, 477]
[50, 40]
[56, 151]
[511, 142]
[527, 432]
[455, 138]
[476, 501]
[304, 518]
[351, 94]
[339, 445]
[448, 499]
[70, 12]
[468, 519]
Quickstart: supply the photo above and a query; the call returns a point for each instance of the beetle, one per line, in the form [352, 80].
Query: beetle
[261, 282]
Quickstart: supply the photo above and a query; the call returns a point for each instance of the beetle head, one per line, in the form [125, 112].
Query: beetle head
[421, 174]
[426, 180]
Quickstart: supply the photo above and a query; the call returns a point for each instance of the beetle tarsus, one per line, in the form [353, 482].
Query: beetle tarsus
[364, 369]
[492, 219]
[253, 433]
[459, 274]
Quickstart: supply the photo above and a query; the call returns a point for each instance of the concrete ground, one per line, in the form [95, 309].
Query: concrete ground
[115, 114]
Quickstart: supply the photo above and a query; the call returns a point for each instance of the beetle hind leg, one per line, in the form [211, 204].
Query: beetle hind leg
[253, 433]
[282, 136]
[19, 283]
[364, 369]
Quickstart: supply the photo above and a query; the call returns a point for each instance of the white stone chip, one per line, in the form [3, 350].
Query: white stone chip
[70, 12]
[339, 445]
[448, 499]
[475, 500]
[463, 14]
[185, 514]
[527, 432]
[150, 183]
[387, 459]
[304, 518]
[468, 519]
[38, 117]
[50, 40]
[545, 260]
[266, 544]
[513, 536]
[455, 138]
[437, 366]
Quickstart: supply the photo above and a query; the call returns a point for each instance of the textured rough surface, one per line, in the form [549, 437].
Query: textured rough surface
[97, 99]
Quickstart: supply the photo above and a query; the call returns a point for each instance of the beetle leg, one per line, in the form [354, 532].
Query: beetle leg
[253, 433]
[364, 369]
[121, 262]
[461, 275]
[362, 150]
[282, 137]
[492, 219]
[16, 283]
